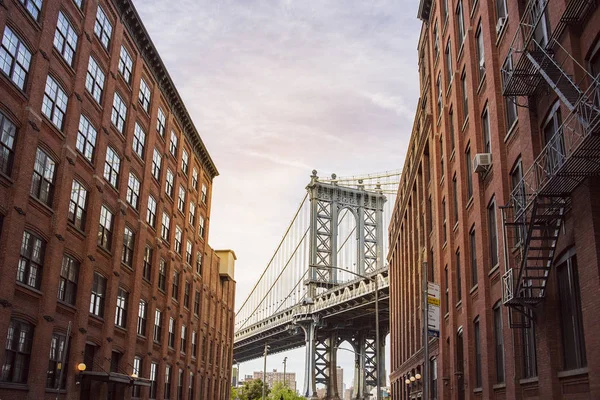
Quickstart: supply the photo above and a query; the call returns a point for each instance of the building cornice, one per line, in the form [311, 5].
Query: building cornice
[133, 23]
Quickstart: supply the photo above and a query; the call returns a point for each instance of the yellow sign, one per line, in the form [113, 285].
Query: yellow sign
[433, 301]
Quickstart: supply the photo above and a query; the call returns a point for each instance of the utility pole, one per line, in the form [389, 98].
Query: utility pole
[425, 334]
[264, 388]
[284, 365]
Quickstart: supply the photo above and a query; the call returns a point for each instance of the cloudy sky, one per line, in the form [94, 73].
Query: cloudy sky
[277, 88]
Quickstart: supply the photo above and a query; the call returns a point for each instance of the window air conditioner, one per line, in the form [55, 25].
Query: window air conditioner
[500, 24]
[482, 162]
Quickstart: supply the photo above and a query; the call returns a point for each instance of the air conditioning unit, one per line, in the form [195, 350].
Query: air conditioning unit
[482, 162]
[500, 24]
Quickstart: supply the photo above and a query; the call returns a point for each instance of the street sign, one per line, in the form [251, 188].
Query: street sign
[433, 309]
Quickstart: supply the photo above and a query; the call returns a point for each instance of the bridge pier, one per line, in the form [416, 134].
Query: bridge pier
[309, 327]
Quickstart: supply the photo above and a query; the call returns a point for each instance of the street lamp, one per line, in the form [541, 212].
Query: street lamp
[264, 388]
[284, 365]
[377, 355]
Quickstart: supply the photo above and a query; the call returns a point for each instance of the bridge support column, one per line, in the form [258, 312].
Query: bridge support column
[360, 387]
[309, 326]
[327, 364]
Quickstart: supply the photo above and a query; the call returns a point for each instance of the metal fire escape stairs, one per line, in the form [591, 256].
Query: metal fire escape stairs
[534, 215]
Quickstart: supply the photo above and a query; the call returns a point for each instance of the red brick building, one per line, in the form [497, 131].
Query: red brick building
[497, 198]
[105, 197]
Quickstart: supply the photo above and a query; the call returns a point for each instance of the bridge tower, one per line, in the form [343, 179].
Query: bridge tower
[327, 201]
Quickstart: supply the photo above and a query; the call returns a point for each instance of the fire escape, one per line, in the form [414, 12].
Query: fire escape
[535, 64]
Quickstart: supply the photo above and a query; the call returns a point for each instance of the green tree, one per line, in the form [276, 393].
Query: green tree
[281, 392]
[252, 390]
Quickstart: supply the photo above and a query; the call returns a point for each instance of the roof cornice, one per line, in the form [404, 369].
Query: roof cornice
[424, 10]
[132, 21]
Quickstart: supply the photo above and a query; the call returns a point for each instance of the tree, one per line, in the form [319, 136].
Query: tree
[281, 392]
[252, 390]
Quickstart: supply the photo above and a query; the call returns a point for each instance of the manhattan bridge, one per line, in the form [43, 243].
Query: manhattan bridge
[324, 284]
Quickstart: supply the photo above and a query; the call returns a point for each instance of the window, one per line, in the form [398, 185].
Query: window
[188, 252]
[199, 262]
[573, 340]
[54, 105]
[173, 144]
[186, 295]
[166, 226]
[447, 291]
[139, 140]
[445, 11]
[510, 103]
[480, 52]
[147, 266]
[473, 254]
[499, 343]
[58, 345]
[103, 28]
[34, 7]
[178, 239]
[430, 219]
[142, 317]
[518, 193]
[144, 95]
[501, 9]
[17, 352]
[195, 177]
[477, 335]
[439, 95]
[436, 40]
[529, 348]
[169, 183]
[125, 64]
[156, 164]
[185, 159]
[128, 245]
[133, 191]
[468, 161]
[175, 286]
[42, 185]
[79, 3]
[67, 284]
[137, 370]
[554, 139]
[119, 113]
[463, 80]
[191, 386]
[161, 122]
[444, 221]
[192, 214]
[105, 227]
[31, 262]
[98, 293]
[485, 128]
[204, 193]
[121, 312]
[65, 38]
[162, 275]
[151, 212]
[455, 195]
[460, 23]
[201, 227]
[197, 303]
[153, 370]
[167, 391]
[458, 278]
[181, 199]
[180, 385]
[7, 144]
[448, 63]
[183, 343]
[157, 325]
[451, 128]
[14, 58]
[86, 138]
[493, 235]
[112, 166]
[442, 156]
[171, 332]
[460, 364]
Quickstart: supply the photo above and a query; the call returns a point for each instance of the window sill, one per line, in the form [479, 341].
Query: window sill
[97, 318]
[37, 203]
[494, 270]
[469, 202]
[481, 83]
[76, 231]
[455, 228]
[453, 154]
[474, 289]
[459, 304]
[465, 123]
[500, 35]
[499, 386]
[478, 390]
[68, 307]
[511, 130]
[460, 50]
[526, 381]
[14, 386]
[29, 290]
[104, 250]
[572, 372]
[6, 180]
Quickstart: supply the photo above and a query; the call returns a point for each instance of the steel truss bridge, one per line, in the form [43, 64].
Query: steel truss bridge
[320, 287]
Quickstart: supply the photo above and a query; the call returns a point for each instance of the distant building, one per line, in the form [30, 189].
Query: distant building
[289, 379]
[340, 380]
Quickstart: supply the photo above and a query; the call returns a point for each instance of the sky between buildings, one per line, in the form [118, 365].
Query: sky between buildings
[278, 88]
